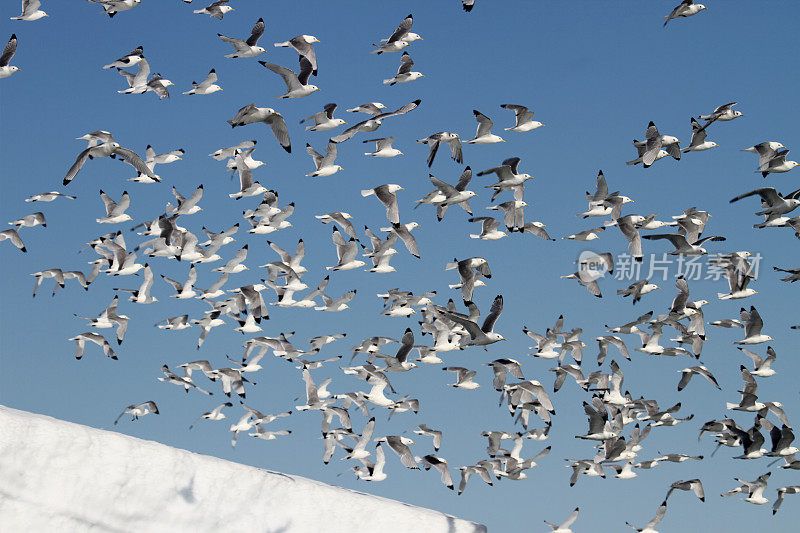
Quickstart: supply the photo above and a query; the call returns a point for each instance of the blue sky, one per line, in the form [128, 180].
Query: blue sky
[594, 75]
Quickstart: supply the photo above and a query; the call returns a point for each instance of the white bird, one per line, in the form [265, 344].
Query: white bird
[250, 114]
[142, 294]
[246, 48]
[464, 377]
[128, 60]
[655, 142]
[650, 527]
[207, 86]
[183, 291]
[112, 7]
[297, 84]
[776, 164]
[752, 327]
[686, 8]
[10, 49]
[397, 41]
[31, 11]
[214, 414]
[303, 45]
[48, 197]
[80, 343]
[29, 221]
[484, 134]
[451, 139]
[523, 117]
[564, 526]
[215, 9]
[387, 195]
[484, 335]
[115, 211]
[324, 120]
[383, 148]
[698, 142]
[324, 163]
[404, 73]
[139, 410]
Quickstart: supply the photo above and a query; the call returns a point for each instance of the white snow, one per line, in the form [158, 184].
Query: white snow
[59, 476]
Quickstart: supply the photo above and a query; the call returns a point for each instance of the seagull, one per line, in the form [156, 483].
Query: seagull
[346, 252]
[54, 273]
[226, 153]
[439, 464]
[186, 206]
[467, 5]
[404, 73]
[207, 86]
[422, 429]
[463, 377]
[451, 139]
[755, 489]
[128, 60]
[489, 230]
[766, 151]
[31, 11]
[115, 211]
[762, 365]
[509, 178]
[142, 294]
[302, 44]
[649, 528]
[724, 112]
[340, 218]
[372, 124]
[48, 197]
[692, 484]
[29, 221]
[682, 246]
[324, 120]
[176, 323]
[383, 148]
[484, 335]
[139, 410]
[387, 194]
[109, 319]
[484, 133]
[370, 108]
[523, 118]
[687, 373]
[446, 195]
[698, 142]
[396, 41]
[80, 342]
[686, 8]
[297, 85]
[109, 150]
[638, 289]
[112, 7]
[752, 327]
[782, 492]
[183, 291]
[564, 526]
[250, 114]
[776, 164]
[399, 445]
[324, 164]
[655, 141]
[7, 70]
[215, 9]
[641, 148]
[246, 48]
[214, 414]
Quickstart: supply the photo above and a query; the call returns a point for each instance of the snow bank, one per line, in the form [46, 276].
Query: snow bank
[59, 476]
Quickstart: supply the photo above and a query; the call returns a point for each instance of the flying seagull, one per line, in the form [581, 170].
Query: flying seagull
[6, 69]
[250, 114]
[686, 8]
[207, 86]
[404, 73]
[451, 139]
[303, 45]
[297, 84]
[246, 48]
[139, 410]
[215, 9]
[31, 11]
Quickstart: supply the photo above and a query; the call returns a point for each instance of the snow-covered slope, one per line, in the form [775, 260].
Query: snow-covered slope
[59, 476]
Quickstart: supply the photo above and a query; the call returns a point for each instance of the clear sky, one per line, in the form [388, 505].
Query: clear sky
[595, 73]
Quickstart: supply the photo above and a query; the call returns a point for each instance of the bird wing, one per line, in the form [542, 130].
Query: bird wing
[9, 51]
[256, 33]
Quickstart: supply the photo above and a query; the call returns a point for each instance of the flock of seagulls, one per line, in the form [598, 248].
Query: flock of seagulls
[618, 422]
